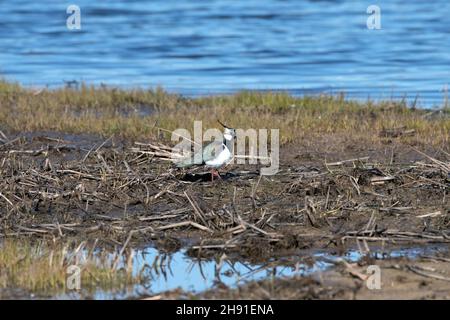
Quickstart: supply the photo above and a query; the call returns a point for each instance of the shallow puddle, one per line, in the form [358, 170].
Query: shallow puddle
[164, 272]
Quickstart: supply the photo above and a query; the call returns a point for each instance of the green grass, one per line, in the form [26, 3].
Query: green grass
[107, 111]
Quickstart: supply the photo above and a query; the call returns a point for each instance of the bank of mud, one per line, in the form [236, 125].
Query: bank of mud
[420, 277]
[329, 193]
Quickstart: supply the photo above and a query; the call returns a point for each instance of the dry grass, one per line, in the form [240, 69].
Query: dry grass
[134, 114]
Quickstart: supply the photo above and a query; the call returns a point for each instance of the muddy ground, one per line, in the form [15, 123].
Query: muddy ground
[401, 278]
[329, 194]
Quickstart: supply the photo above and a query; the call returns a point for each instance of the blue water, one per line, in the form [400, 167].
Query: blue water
[220, 46]
[169, 272]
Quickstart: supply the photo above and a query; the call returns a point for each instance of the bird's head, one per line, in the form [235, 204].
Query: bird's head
[228, 133]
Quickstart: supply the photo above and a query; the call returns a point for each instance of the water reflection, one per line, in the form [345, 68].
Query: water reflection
[162, 272]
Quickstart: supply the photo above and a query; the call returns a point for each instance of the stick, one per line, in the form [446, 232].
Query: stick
[426, 274]
[7, 200]
[196, 208]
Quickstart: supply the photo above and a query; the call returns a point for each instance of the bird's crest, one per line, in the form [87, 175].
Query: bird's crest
[223, 124]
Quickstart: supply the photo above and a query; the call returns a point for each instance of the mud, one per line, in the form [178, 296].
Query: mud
[328, 194]
[402, 277]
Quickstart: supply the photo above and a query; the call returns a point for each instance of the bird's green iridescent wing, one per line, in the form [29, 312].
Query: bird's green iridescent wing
[212, 150]
[209, 152]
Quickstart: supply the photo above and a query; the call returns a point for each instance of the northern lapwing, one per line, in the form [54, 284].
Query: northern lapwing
[214, 155]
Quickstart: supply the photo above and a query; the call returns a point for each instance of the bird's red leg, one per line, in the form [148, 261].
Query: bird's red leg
[214, 173]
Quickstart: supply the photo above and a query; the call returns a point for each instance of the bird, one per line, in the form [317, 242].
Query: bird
[214, 155]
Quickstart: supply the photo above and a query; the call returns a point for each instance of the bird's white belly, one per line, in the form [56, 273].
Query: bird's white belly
[223, 157]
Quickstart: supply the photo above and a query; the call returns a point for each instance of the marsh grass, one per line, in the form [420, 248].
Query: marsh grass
[42, 268]
[107, 111]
